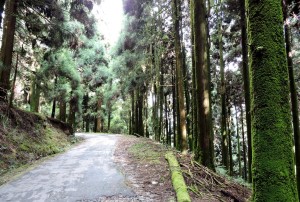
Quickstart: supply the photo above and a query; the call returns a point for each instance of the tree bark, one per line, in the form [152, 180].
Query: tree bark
[62, 110]
[179, 71]
[7, 47]
[273, 157]
[34, 95]
[14, 83]
[99, 117]
[244, 143]
[294, 97]
[224, 134]
[1, 11]
[203, 84]
[246, 85]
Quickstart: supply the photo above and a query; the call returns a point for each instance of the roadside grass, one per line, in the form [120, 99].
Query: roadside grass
[146, 152]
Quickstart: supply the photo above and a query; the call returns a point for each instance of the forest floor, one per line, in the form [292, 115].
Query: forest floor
[142, 162]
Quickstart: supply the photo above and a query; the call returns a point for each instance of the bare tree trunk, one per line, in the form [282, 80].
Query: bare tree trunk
[14, 83]
[7, 46]
[179, 71]
[203, 84]
[246, 85]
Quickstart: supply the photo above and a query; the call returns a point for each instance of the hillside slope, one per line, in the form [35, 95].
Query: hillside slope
[26, 137]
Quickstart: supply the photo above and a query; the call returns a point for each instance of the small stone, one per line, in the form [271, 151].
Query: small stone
[154, 182]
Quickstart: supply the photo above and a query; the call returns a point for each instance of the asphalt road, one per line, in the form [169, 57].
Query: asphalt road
[84, 173]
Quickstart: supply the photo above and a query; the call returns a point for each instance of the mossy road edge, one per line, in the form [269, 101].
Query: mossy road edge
[177, 179]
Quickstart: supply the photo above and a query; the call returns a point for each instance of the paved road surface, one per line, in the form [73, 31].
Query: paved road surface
[86, 172]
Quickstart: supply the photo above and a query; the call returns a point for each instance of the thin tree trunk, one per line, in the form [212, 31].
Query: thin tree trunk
[174, 101]
[238, 140]
[246, 85]
[244, 144]
[294, 98]
[223, 93]
[1, 11]
[99, 118]
[132, 113]
[230, 142]
[14, 83]
[62, 110]
[179, 70]
[54, 100]
[34, 95]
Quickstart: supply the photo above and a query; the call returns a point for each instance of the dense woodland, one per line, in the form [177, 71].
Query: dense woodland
[217, 78]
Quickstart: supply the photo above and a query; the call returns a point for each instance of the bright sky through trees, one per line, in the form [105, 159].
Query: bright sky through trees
[110, 19]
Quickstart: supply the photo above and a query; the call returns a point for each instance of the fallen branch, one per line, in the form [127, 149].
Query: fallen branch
[177, 179]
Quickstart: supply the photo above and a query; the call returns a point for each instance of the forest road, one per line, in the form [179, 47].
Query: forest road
[84, 173]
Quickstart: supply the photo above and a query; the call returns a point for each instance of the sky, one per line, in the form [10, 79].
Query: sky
[110, 19]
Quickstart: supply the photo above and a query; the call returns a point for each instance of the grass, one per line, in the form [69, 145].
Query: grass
[146, 152]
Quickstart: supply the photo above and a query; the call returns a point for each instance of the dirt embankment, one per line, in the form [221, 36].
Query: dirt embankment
[148, 173]
[26, 137]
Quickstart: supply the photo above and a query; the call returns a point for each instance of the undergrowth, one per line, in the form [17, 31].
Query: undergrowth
[26, 137]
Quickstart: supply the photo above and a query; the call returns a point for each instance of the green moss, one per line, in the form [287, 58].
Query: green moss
[177, 179]
[273, 158]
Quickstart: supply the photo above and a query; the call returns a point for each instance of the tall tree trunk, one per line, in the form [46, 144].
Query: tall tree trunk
[174, 101]
[62, 110]
[34, 95]
[132, 113]
[244, 143]
[72, 112]
[54, 100]
[194, 94]
[14, 83]
[99, 117]
[238, 140]
[294, 98]
[1, 11]
[246, 85]
[229, 124]
[273, 157]
[7, 46]
[203, 84]
[179, 71]
[223, 93]
[140, 113]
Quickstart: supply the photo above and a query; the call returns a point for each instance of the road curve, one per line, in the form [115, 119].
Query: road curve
[84, 173]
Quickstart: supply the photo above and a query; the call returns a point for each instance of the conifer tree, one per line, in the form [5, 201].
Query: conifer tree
[273, 158]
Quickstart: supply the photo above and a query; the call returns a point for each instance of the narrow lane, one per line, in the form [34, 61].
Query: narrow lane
[86, 172]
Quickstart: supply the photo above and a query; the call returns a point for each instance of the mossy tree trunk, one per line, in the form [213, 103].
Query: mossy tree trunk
[7, 47]
[180, 83]
[273, 158]
[246, 85]
[294, 97]
[203, 84]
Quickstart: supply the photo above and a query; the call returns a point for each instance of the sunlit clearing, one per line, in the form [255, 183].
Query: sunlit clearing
[110, 19]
